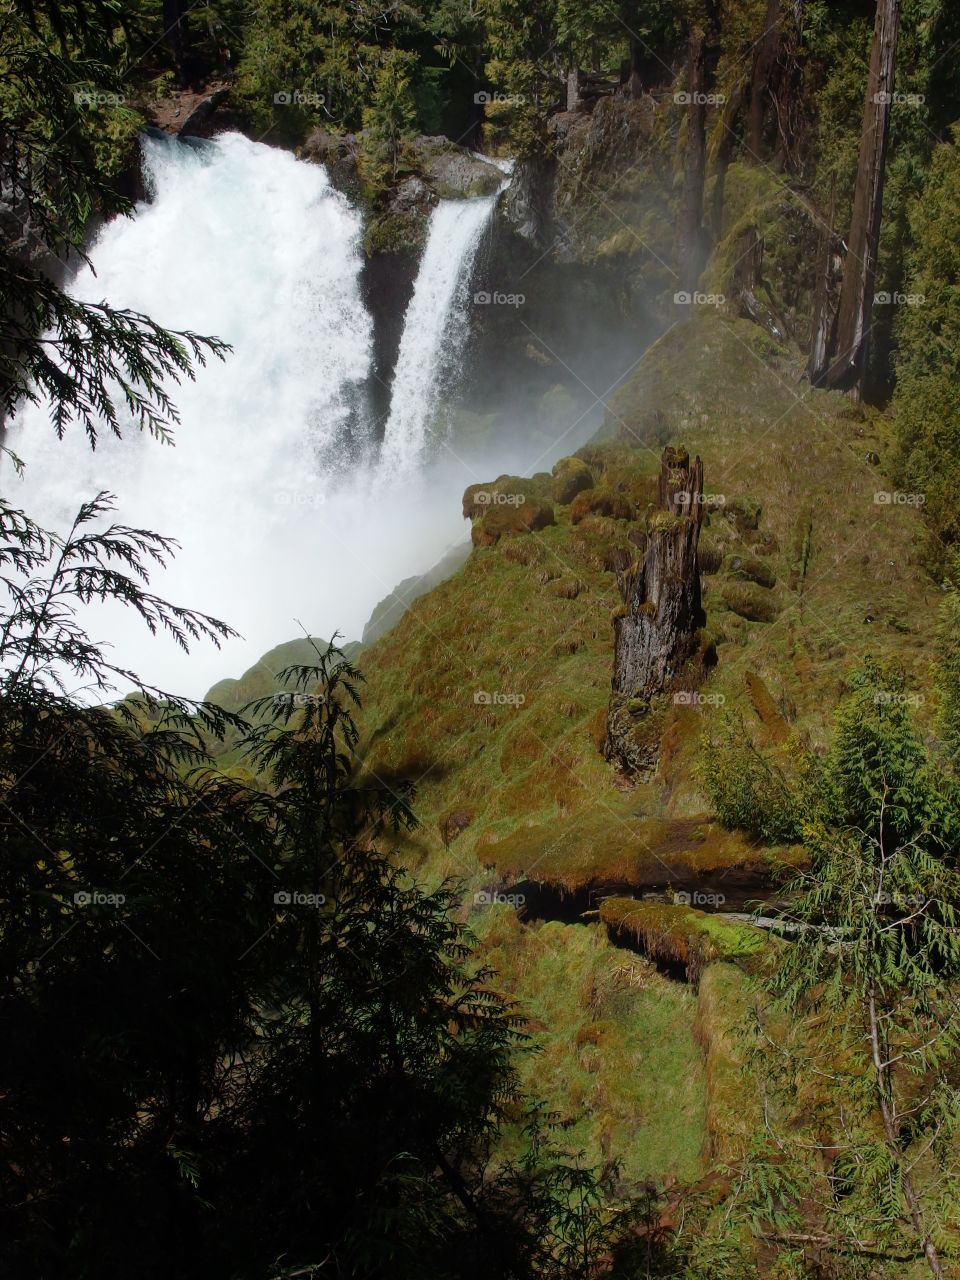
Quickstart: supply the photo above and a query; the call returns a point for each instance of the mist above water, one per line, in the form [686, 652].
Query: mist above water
[274, 487]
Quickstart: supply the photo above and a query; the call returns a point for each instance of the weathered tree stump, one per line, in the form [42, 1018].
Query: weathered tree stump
[656, 632]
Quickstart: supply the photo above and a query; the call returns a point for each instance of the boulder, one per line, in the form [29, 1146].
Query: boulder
[450, 171]
[199, 122]
[750, 569]
[526, 517]
[601, 502]
[749, 601]
[505, 491]
[570, 477]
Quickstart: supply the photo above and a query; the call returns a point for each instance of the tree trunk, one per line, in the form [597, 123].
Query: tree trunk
[724, 155]
[175, 26]
[763, 64]
[825, 299]
[747, 282]
[573, 89]
[690, 243]
[850, 344]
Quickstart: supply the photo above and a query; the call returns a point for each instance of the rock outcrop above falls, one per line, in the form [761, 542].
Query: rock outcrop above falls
[430, 169]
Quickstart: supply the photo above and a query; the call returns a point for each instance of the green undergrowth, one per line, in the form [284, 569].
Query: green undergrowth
[613, 1045]
[733, 1109]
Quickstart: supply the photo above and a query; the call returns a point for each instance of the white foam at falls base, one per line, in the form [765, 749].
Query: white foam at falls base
[434, 330]
[247, 243]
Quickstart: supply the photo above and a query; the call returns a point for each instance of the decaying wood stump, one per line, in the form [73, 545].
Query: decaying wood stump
[656, 632]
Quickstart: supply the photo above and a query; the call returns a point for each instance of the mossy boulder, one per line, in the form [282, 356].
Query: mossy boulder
[710, 554]
[750, 569]
[396, 230]
[749, 601]
[601, 502]
[526, 515]
[505, 491]
[764, 543]
[743, 512]
[570, 477]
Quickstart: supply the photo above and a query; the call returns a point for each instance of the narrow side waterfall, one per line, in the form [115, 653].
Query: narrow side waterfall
[435, 327]
[265, 486]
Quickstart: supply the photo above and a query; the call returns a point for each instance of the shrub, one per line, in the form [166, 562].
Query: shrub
[749, 790]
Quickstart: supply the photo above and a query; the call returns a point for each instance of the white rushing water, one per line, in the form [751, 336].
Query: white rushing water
[434, 331]
[243, 241]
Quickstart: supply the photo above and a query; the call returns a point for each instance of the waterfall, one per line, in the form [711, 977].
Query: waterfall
[271, 486]
[434, 331]
[264, 486]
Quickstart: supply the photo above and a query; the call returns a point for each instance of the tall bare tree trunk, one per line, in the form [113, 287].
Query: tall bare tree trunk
[635, 69]
[723, 158]
[763, 63]
[826, 294]
[690, 240]
[175, 28]
[846, 368]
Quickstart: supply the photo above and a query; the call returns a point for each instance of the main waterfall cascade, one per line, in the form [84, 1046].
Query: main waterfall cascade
[282, 516]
